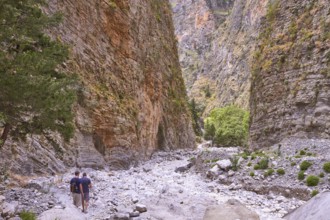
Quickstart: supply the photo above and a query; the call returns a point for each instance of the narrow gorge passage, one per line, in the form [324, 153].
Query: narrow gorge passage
[166, 194]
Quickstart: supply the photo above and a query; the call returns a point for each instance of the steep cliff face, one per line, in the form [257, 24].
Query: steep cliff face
[126, 54]
[291, 73]
[132, 99]
[215, 40]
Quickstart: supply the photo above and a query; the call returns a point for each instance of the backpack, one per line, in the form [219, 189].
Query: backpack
[74, 186]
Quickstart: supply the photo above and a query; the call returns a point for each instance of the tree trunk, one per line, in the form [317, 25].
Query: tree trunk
[4, 135]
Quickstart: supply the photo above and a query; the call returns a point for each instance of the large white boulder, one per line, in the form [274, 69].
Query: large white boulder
[231, 210]
[315, 208]
[224, 164]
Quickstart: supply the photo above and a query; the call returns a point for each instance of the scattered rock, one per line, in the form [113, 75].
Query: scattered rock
[146, 169]
[140, 208]
[134, 214]
[121, 216]
[9, 209]
[183, 168]
[135, 200]
[213, 172]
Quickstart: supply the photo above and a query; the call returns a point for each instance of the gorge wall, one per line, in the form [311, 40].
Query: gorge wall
[132, 99]
[291, 73]
[216, 40]
[271, 57]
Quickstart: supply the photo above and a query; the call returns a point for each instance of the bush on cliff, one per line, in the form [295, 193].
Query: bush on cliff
[227, 126]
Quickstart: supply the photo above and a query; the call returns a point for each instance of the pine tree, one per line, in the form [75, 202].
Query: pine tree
[35, 96]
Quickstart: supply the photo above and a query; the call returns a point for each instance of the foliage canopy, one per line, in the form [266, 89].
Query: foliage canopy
[227, 126]
[35, 95]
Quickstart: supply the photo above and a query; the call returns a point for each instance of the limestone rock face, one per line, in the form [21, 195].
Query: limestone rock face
[290, 93]
[132, 98]
[271, 57]
[215, 43]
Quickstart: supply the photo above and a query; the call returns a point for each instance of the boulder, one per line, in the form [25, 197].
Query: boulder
[316, 208]
[70, 212]
[213, 172]
[9, 209]
[134, 214]
[231, 210]
[183, 168]
[224, 164]
[121, 216]
[140, 208]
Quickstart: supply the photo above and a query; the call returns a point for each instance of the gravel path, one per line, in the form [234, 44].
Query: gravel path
[166, 193]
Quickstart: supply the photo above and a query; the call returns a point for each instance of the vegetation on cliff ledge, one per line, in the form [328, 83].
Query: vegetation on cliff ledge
[35, 94]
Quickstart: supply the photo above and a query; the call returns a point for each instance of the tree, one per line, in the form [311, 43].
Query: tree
[35, 95]
[230, 126]
[195, 116]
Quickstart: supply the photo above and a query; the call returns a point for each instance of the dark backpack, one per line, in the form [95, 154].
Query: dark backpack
[74, 186]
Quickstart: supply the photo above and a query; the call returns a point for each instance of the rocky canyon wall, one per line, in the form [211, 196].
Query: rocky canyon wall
[291, 73]
[216, 40]
[271, 57]
[132, 99]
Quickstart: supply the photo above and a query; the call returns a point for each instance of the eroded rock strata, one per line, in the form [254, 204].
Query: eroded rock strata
[134, 96]
[216, 40]
[290, 73]
[132, 99]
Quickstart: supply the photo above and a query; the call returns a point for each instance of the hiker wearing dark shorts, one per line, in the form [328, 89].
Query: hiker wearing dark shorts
[75, 189]
[85, 185]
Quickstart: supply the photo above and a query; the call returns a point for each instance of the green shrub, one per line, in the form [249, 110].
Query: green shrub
[269, 172]
[302, 152]
[244, 156]
[314, 193]
[280, 171]
[312, 180]
[26, 215]
[301, 175]
[234, 161]
[293, 164]
[305, 165]
[326, 167]
[252, 174]
[263, 163]
[249, 164]
[256, 167]
[231, 125]
[321, 175]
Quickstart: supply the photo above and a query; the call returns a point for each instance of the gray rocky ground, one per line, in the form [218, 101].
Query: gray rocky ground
[179, 185]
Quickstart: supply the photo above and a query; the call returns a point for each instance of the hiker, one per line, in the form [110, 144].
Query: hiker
[85, 185]
[75, 189]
